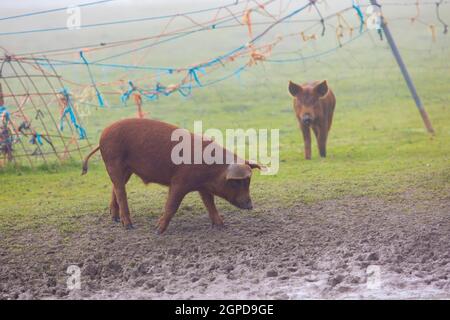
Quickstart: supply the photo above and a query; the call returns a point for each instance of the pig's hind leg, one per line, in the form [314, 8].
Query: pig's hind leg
[119, 176]
[208, 201]
[114, 205]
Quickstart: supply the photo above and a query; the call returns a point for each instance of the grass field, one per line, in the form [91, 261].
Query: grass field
[377, 146]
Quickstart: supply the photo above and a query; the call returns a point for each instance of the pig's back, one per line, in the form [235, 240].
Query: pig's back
[143, 146]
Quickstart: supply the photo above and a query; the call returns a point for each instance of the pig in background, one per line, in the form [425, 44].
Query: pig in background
[314, 105]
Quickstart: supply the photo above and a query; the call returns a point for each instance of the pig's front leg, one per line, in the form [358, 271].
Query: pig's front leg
[176, 195]
[321, 136]
[208, 201]
[306, 131]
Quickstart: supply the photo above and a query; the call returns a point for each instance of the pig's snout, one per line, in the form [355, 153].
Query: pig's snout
[247, 205]
[306, 119]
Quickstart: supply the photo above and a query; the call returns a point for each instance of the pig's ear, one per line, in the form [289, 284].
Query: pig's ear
[253, 164]
[238, 171]
[321, 89]
[294, 89]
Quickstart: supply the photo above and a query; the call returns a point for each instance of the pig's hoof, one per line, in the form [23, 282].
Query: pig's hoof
[130, 227]
[161, 228]
[116, 219]
[218, 226]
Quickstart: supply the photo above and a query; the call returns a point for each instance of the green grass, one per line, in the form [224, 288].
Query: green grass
[368, 155]
[377, 146]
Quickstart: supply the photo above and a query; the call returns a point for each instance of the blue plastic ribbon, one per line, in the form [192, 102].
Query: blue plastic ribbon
[186, 93]
[99, 96]
[126, 95]
[156, 92]
[4, 114]
[193, 74]
[380, 33]
[36, 138]
[69, 111]
[360, 14]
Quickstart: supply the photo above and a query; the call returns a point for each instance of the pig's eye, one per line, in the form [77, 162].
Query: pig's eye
[235, 183]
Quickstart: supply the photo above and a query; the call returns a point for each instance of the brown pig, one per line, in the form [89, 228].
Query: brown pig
[144, 147]
[314, 106]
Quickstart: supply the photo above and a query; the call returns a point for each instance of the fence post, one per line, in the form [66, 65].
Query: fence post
[404, 70]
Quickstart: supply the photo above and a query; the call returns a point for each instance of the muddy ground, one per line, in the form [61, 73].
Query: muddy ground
[348, 248]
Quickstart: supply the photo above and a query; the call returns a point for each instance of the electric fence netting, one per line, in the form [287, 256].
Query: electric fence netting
[104, 63]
